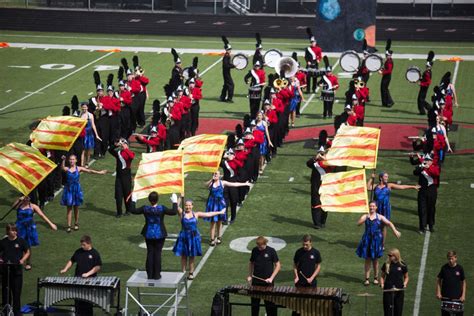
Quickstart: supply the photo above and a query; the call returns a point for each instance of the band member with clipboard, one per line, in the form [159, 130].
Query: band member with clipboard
[228, 88]
[306, 265]
[264, 265]
[257, 81]
[313, 55]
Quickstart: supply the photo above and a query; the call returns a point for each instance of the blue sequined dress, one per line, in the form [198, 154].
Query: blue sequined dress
[263, 146]
[89, 139]
[371, 244]
[72, 192]
[382, 198]
[189, 240]
[216, 202]
[26, 226]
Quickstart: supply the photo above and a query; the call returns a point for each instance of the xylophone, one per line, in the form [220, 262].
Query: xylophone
[319, 301]
[98, 290]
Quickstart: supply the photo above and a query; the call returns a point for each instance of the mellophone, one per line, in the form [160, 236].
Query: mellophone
[320, 301]
[100, 291]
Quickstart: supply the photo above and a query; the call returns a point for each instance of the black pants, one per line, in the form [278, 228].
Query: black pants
[153, 257]
[15, 285]
[114, 129]
[141, 109]
[384, 92]
[327, 108]
[195, 117]
[83, 308]
[254, 107]
[421, 101]
[125, 122]
[394, 302]
[319, 216]
[231, 195]
[228, 88]
[104, 133]
[427, 206]
[311, 84]
[134, 108]
[270, 308]
[123, 188]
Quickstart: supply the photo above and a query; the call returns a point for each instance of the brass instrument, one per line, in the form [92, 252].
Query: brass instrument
[286, 67]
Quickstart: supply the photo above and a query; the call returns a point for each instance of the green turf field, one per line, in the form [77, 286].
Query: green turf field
[276, 206]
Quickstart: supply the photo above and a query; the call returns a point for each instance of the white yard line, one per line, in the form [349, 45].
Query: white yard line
[421, 274]
[210, 67]
[199, 51]
[426, 244]
[55, 81]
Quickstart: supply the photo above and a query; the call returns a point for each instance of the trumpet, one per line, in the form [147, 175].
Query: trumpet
[280, 83]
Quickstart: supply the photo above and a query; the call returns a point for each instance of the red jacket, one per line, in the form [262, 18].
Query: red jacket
[196, 93]
[111, 104]
[387, 67]
[126, 97]
[258, 136]
[135, 86]
[176, 112]
[278, 104]
[143, 81]
[241, 155]
[426, 78]
[272, 116]
[362, 95]
[152, 142]
[127, 157]
[186, 102]
[301, 76]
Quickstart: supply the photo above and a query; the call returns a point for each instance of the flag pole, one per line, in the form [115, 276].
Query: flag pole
[13, 207]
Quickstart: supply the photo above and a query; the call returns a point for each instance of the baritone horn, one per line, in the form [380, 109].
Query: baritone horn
[286, 67]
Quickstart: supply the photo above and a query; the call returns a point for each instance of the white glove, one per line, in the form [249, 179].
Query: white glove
[174, 198]
[134, 198]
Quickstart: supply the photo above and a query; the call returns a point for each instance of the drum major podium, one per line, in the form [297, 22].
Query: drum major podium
[168, 289]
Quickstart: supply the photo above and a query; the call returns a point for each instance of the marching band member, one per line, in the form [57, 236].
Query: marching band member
[329, 84]
[125, 114]
[88, 264]
[143, 94]
[257, 56]
[231, 167]
[228, 88]
[428, 178]
[394, 276]
[424, 84]
[363, 72]
[176, 75]
[257, 81]
[371, 245]
[264, 266]
[301, 76]
[109, 122]
[451, 283]
[123, 175]
[136, 89]
[313, 55]
[451, 99]
[153, 141]
[195, 90]
[386, 73]
[95, 106]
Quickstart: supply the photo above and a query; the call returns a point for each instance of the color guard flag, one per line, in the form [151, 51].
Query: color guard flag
[23, 166]
[161, 172]
[344, 192]
[57, 132]
[354, 147]
[202, 153]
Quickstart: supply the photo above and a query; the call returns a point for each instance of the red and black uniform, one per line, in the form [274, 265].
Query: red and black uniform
[144, 81]
[330, 84]
[109, 122]
[196, 92]
[425, 83]
[123, 178]
[136, 89]
[186, 117]
[386, 77]
[125, 114]
[257, 80]
[428, 179]
[312, 56]
[318, 169]
[231, 194]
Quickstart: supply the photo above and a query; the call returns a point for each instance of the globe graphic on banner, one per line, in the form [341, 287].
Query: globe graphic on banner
[329, 9]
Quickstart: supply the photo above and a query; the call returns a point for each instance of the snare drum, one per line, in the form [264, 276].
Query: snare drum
[272, 57]
[413, 74]
[374, 62]
[240, 61]
[255, 93]
[452, 306]
[350, 61]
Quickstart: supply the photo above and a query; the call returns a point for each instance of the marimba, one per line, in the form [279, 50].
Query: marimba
[307, 301]
[98, 290]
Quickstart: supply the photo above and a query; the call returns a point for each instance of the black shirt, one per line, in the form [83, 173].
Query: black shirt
[12, 251]
[263, 261]
[85, 260]
[451, 281]
[395, 276]
[306, 261]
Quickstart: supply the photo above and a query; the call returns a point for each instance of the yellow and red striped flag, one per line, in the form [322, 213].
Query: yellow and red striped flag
[161, 172]
[344, 192]
[24, 167]
[57, 132]
[354, 147]
[202, 153]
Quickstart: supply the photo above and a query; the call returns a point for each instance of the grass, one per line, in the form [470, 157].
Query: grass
[275, 207]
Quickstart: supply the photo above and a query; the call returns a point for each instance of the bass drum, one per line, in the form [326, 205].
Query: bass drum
[272, 57]
[240, 61]
[374, 62]
[350, 61]
[413, 74]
